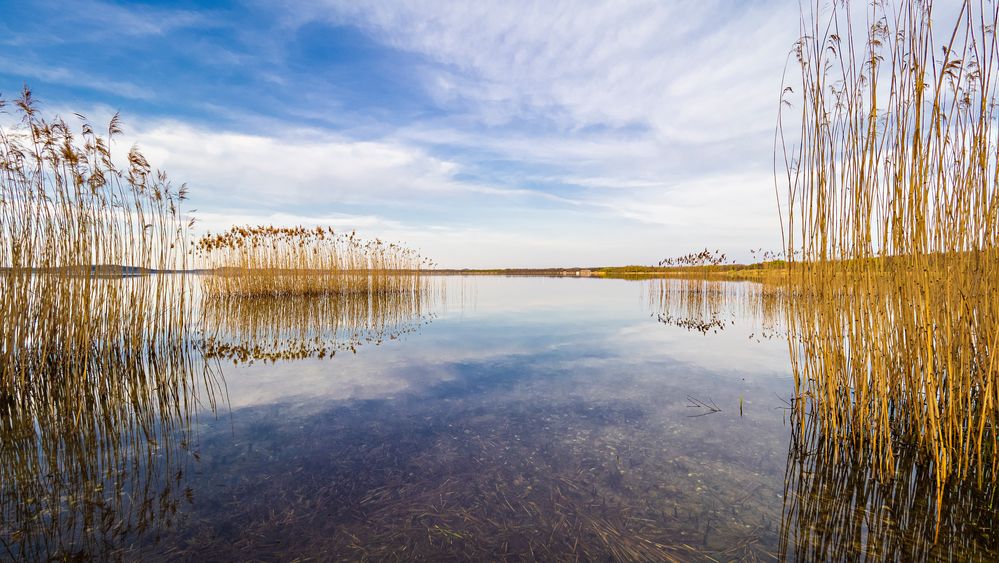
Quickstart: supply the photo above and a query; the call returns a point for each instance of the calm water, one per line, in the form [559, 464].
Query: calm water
[516, 418]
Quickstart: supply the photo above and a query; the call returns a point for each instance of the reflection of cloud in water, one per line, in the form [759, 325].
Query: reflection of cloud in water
[339, 379]
[561, 431]
[505, 458]
[733, 352]
[583, 330]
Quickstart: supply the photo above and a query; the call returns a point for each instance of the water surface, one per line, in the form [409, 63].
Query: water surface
[513, 418]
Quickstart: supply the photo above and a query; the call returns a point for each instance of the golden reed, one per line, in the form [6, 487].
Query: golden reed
[268, 261]
[889, 142]
[100, 369]
[73, 224]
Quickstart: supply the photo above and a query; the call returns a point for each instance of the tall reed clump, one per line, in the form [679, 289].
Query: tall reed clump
[267, 261]
[75, 219]
[892, 222]
[98, 364]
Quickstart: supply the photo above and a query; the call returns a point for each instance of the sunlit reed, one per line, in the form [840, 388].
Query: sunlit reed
[892, 220]
[73, 223]
[99, 360]
[297, 261]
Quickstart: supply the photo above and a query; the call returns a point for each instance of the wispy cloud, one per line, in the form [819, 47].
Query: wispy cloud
[104, 19]
[692, 69]
[493, 133]
[76, 78]
[305, 167]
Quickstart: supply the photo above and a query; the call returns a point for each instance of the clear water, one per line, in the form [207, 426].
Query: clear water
[526, 418]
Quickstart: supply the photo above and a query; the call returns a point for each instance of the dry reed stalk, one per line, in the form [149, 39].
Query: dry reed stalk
[298, 261]
[892, 227]
[72, 225]
[98, 361]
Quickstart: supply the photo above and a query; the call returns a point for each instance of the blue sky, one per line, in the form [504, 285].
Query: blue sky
[486, 134]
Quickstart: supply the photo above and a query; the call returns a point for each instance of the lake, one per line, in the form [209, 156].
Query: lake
[498, 418]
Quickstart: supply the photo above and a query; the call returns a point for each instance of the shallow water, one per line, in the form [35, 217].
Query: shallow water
[516, 418]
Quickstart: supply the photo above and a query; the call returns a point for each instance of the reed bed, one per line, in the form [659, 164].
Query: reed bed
[297, 261]
[891, 225]
[73, 224]
[99, 360]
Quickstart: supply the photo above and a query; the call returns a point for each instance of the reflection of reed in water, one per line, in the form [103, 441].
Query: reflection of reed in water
[295, 327]
[98, 367]
[837, 507]
[709, 306]
[91, 461]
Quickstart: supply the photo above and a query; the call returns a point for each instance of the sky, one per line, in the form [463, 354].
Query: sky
[503, 133]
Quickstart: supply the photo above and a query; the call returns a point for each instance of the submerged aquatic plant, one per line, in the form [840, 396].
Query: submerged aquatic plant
[892, 224]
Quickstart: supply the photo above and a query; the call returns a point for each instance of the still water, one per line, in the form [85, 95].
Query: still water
[505, 419]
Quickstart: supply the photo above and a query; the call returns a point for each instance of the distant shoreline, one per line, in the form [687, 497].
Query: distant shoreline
[620, 272]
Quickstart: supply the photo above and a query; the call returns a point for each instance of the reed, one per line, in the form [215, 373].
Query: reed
[297, 261]
[98, 358]
[73, 224]
[891, 229]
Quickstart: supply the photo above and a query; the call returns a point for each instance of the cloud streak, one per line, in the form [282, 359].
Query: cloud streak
[491, 133]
